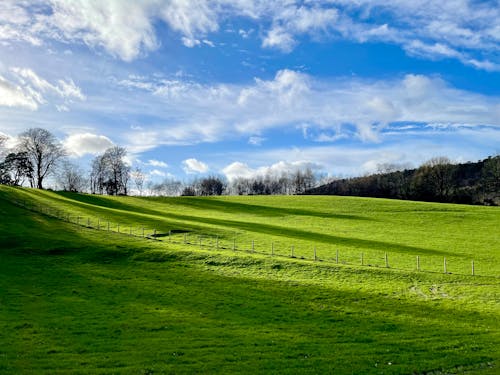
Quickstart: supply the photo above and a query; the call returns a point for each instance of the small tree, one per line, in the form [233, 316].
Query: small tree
[43, 152]
[71, 177]
[138, 177]
[15, 168]
[3, 140]
[110, 173]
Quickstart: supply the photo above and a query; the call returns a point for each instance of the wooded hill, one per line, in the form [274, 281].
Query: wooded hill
[438, 180]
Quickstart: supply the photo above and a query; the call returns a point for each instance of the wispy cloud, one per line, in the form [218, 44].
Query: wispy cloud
[24, 88]
[331, 108]
[460, 29]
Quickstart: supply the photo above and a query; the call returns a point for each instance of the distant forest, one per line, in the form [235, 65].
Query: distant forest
[438, 180]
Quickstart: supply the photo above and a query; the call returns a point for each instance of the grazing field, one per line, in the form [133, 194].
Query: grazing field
[74, 299]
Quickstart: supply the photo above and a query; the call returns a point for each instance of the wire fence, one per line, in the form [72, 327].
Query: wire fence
[281, 248]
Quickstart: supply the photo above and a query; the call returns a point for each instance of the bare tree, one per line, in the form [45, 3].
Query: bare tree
[138, 177]
[43, 151]
[98, 175]
[168, 186]
[110, 173]
[70, 177]
[3, 141]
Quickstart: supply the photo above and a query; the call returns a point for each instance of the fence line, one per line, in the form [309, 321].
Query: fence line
[211, 241]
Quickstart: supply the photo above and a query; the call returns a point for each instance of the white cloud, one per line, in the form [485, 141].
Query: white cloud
[26, 89]
[192, 165]
[291, 20]
[256, 141]
[459, 29]
[157, 163]
[87, 143]
[192, 113]
[157, 173]
[239, 169]
[12, 95]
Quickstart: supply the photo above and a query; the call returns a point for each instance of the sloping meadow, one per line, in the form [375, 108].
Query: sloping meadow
[214, 287]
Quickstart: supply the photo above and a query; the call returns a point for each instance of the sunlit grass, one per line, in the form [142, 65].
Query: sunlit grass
[78, 300]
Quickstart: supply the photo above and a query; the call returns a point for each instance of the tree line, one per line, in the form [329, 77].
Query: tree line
[39, 155]
[437, 180]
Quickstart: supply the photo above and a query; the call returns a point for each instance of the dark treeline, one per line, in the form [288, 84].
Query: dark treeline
[438, 180]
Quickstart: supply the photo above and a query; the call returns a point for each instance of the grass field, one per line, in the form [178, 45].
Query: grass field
[80, 300]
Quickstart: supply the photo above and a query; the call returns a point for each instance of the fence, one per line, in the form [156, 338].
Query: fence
[217, 242]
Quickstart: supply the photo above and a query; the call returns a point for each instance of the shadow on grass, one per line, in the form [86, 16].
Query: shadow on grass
[104, 205]
[212, 203]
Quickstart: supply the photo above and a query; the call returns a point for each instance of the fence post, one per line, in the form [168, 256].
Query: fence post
[386, 261]
[418, 263]
[118, 228]
[200, 240]
[217, 242]
[154, 234]
[472, 268]
[88, 222]
[362, 260]
[292, 252]
[315, 254]
[142, 232]
[337, 257]
[78, 220]
[253, 246]
[108, 226]
[234, 244]
[169, 235]
[272, 248]
[184, 238]
[444, 264]
[98, 224]
[130, 231]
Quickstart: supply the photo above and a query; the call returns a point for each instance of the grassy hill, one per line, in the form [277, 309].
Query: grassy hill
[74, 299]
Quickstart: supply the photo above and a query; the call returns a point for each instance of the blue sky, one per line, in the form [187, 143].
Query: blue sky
[242, 87]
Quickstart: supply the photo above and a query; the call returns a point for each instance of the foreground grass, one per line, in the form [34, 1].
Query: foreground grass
[77, 300]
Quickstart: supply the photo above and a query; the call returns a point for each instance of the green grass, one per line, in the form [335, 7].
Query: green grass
[78, 300]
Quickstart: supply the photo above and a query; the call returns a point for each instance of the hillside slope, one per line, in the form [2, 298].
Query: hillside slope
[75, 299]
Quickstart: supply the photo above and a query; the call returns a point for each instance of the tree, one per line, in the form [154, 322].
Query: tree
[110, 173]
[168, 186]
[71, 177]
[211, 186]
[97, 175]
[43, 152]
[434, 180]
[3, 141]
[490, 179]
[15, 168]
[138, 177]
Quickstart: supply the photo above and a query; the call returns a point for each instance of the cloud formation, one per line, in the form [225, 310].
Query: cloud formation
[465, 30]
[86, 143]
[329, 110]
[239, 169]
[26, 89]
[192, 166]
